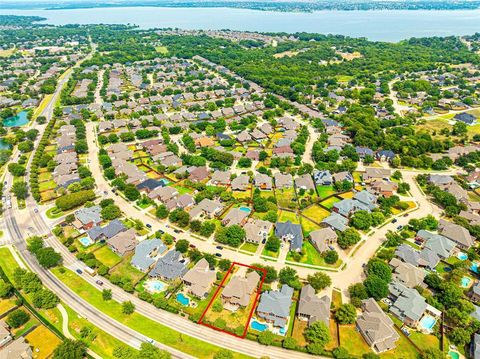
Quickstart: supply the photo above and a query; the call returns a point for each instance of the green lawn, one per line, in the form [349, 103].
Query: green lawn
[46, 186]
[403, 350]
[249, 247]
[138, 322]
[7, 262]
[312, 257]
[288, 216]
[316, 213]
[266, 252]
[424, 341]
[125, 269]
[286, 198]
[353, 341]
[325, 191]
[308, 226]
[45, 176]
[107, 257]
[54, 213]
[328, 203]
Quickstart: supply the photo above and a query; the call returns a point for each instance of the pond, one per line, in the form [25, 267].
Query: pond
[15, 121]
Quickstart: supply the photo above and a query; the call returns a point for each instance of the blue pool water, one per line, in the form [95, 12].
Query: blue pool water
[19, 120]
[164, 181]
[245, 209]
[427, 322]
[462, 256]
[453, 355]
[466, 281]
[474, 267]
[258, 326]
[182, 299]
[282, 331]
[86, 241]
[154, 286]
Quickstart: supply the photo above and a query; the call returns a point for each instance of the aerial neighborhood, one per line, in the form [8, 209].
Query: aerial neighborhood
[216, 195]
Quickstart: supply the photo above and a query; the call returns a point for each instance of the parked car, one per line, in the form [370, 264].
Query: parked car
[105, 192]
[218, 254]
[405, 215]
[394, 220]
[177, 231]
[79, 271]
[192, 246]
[149, 225]
[99, 282]
[399, 228]
[219, 247]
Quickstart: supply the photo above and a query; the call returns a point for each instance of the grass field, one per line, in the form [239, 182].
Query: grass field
[266, 252]
[312, 257]
[286, 198]
[7, 52]
[308, 226]
[6, 304]
[249, 247]
[328, 203]
[43, 342]
[403, 350]
[353, 341]
[325, 191]
[107, 257]
[7, 262]
[125, 269]
[316, 213]
[138, 322]
[161, 49]
[288, 216]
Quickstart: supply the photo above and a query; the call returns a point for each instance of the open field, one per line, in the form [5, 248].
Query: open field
[43, 342]
[107, 257]
[316, 213]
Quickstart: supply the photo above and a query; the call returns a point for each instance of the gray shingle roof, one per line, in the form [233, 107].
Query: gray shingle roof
[275, 305]
[169, 266]
[141, 258]
[292, 232]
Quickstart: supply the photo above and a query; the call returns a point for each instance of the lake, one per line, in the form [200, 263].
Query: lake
[19, 120]
[383, 25]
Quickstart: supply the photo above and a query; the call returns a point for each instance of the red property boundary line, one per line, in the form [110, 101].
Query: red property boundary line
[220, 287]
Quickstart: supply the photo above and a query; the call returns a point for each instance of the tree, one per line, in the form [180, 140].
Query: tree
[346, 314]
[266, 337]
[319, 281]
[233, 235]
[289, 276]
[361, 220]
[5, 289]
[223, 354]
[110, 212]
[376, 287]
[224, 264]
[107, 294]
[180, 217]
[380, 268]
[217, 306]
[244, 162]
[273, 244]
[131, 192]
[331, 257]
[318, 333]
[45, 299]
[162, 211]
[48, 258]
[70, 349]
[432, 353]
[20, 190]
[341, 353]
[150, 351]
[128, 307]
[182, 245]
[290, 343]
[348, 238]
[17, 318]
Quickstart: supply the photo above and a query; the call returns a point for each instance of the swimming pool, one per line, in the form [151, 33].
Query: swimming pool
[154, 286]
[164, 181]
[85, 241]
[245, 209]
[15, 121]
[258, 326]
[182, 299]
[453, 355]
[462, 256]
[466, 282]
[427, 322]
[474, 267]
[282, 331]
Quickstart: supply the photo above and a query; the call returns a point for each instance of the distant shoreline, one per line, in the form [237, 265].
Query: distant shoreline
[279, 6]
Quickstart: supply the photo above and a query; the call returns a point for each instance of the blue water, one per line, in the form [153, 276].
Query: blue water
[462, 256]
[401, 24]
[427, 322]
[154, 285]
[453, 355]
[258, 326]
[86, 241]
[19, 120]
[164, 181]
[466, 281]
[282, 331]
[4, 145]
[474, 267]
[182, 299]
[245, 209]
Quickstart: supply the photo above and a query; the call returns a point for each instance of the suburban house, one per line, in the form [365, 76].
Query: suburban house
[305, 182]
[170, 267]
[383, 188]
[456, 233]
[145, 253]
[289, 232]
[342, 176]
[5, 336]
[475, 347]
[323, 238]
[87, 217]
[19, 348]
[466, 118]
[373, 173]
[323, 178]
[123, 242]
[313, 308]
[240, 183]
[106, 232]
[283, 181]
[262, 181]
[376, 327]
[275, 305]
[198, 174]
[163, 194]
[336, 222]
[407, 274]
[220, 178]
[475, 292]
[439, 180]
[207, 207]
[238, 291]
[408, 305]
[199, 279]
[257, 230]
[235, 217]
